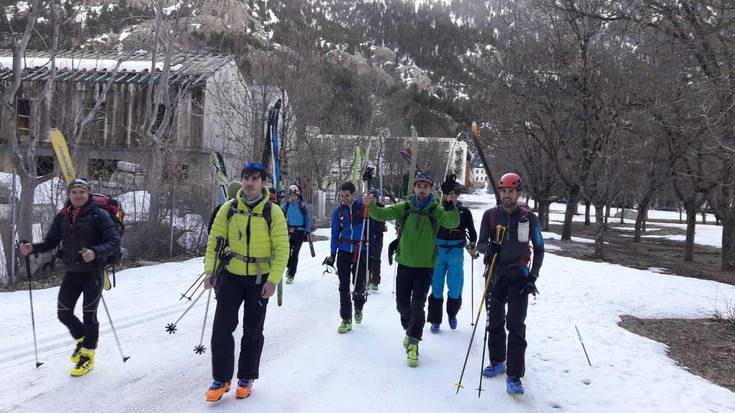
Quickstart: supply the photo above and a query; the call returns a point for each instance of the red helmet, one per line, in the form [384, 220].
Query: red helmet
[511, 180]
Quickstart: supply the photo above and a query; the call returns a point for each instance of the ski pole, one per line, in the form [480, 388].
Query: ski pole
[484, 347]
[184, 294]
[171, 327]
[472, 288]
[117, 340]
[367, 256]
[359, 243]
[499, 232]
[33, 318]
[583, 347]
[200, 349]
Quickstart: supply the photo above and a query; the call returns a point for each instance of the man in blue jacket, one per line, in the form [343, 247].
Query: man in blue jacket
[347, 220]
[298, 217]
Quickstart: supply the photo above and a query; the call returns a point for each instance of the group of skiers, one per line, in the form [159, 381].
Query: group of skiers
[253, 241]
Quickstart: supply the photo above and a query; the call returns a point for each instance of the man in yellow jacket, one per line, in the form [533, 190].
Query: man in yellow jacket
[250, 266]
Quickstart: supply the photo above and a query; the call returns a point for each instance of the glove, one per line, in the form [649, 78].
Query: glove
[492, 248]
[392, 247]
[530, 288]
[472, 250]
[449, 183]
[329, 261]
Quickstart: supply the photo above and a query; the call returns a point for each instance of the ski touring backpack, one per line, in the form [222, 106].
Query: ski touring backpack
[114, 209]
[428, 212]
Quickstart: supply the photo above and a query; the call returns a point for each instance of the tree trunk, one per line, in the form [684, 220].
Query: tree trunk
[25, 209]
[544, 211]
[6, 238]
[728, 244]
[155, 178]
[587, 213]
[607, 212]
[600, 240]
[566, 231]
[689, 243]
[599, 211]
[640, 220]
[726, 212]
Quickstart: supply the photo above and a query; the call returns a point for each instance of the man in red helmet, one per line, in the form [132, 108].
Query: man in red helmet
[512, 280]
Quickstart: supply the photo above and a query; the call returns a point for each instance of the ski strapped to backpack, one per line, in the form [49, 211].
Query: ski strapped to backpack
[266, 214]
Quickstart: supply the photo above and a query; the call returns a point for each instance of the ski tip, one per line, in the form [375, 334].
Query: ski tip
[125, 358]
[39, 364]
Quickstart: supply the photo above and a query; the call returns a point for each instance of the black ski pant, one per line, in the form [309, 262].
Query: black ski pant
[506, 290]
[73, 285]
[232, 291]
[374, 263]
[295, 240]
[434, 315]
[345, 270]
[412, 287]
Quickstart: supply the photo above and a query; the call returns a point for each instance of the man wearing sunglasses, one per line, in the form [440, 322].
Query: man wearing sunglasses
[252, 264]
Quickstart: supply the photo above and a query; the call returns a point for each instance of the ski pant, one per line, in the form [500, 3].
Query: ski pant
[506, 289]
[232, 291]
[374, 262]
[295, 240]
[73, 285]
[412, 287]
[449, 266]
[345, 270]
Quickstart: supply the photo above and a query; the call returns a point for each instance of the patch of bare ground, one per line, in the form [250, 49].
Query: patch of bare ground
[706, 347]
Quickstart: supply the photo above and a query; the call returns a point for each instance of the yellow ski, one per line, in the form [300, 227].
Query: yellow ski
[62, 155]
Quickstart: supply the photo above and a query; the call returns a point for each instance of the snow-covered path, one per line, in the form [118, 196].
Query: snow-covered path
[308, 367]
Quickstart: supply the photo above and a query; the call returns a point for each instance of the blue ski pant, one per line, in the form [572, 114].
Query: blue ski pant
[449, 267]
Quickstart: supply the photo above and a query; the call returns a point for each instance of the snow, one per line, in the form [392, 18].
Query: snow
[307, 366]
[84, 64]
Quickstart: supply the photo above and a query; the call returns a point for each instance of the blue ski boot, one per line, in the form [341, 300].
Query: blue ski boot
[435, 328]
[453, 323]
[494, 369]
[514, 385]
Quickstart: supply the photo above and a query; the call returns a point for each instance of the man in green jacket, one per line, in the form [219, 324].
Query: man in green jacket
[252, 264]
[419, 219]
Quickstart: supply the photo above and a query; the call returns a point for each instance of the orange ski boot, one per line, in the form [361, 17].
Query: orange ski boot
[244, 386]
[217, 390]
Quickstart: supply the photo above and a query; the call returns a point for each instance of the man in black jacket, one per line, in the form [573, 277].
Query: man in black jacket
[87, 235]
[512, 279]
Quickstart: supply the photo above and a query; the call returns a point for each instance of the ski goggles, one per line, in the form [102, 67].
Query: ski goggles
[252, 168]
[79, 183]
